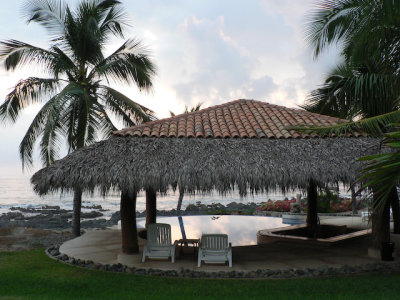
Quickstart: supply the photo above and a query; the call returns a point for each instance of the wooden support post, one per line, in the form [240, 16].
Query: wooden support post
[312, 214]
[151, 206]
[128, 223]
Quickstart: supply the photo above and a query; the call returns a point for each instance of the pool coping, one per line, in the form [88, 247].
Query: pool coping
[265, 236]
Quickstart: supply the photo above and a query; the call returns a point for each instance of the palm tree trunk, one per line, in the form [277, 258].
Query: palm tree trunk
[179, 206]
[394, 202]
[130, 243]
[76, 216]
[151, 206]
[380, 223]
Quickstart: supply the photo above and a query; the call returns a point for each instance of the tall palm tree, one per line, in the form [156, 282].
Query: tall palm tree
[197, 107]
[368, 32]
[77, 102]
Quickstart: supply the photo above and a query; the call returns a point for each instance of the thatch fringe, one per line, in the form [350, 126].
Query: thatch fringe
[135, 163]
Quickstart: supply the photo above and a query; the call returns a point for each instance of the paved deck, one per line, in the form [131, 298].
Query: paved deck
[104, 246]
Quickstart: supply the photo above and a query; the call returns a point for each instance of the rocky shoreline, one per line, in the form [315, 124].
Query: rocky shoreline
[55, 218]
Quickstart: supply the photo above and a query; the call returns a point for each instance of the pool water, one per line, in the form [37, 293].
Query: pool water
[241, 230]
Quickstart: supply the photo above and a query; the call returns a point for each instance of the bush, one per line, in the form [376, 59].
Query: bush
[279, 205]
[328, 202]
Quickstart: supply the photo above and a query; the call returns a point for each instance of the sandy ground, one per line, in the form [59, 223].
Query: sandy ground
[22, 238]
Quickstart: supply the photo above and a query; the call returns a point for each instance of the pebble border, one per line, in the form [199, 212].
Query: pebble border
[322, 271]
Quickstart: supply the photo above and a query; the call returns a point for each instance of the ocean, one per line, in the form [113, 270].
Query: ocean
[17, 191]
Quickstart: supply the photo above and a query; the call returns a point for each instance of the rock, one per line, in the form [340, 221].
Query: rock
[54, 252]
[90, 215]
[99, 207]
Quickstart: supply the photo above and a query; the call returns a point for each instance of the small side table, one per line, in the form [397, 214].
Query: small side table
[183, 242]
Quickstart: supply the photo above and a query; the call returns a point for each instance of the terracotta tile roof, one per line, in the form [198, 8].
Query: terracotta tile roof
[235, 119]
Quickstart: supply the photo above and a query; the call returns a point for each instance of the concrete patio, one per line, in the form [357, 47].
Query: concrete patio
[104, 247]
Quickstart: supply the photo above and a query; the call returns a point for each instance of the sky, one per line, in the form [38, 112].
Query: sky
[206, 51]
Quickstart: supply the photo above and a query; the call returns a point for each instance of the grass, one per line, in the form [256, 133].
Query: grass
[32, 275]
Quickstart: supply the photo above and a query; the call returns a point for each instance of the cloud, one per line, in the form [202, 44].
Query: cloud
[215, 66]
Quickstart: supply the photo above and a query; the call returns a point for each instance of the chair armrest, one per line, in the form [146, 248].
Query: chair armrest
[175, 243]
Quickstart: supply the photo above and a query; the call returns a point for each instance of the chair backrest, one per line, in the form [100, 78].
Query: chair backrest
[159, 234]
[214, 241]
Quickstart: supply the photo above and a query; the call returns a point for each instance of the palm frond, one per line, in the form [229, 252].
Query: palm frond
[49, 123]
[355, 91]
[37, 127]
[62, 64]
[105, 126]
[15, 53]
[27, 92]
[48, 13]
[130, 63]
[375, 126]
[330, 22]
[194, 108]
[334, 98]
[82, 36]
[123, 107]
[52, 134]
[383, 170]
[114, 20]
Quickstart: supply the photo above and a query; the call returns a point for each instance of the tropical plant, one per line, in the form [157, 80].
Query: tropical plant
[76, 103]
[172, 114]
[383, 170]
[360, 26]
[367, 84]
[197, 107]
[351, 93]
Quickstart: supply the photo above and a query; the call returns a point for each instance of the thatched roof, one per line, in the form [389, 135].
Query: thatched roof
[236, 119]
[203, 164]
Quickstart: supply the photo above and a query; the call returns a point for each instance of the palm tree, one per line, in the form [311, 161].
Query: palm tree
[381, 174]
[197, 107]
[76, 103]
[368, 84]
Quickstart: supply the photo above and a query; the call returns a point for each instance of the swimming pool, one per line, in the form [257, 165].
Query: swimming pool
[242, 230]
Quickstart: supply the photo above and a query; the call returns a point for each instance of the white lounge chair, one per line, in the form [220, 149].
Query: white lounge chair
[159, 243]
[214, 248]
